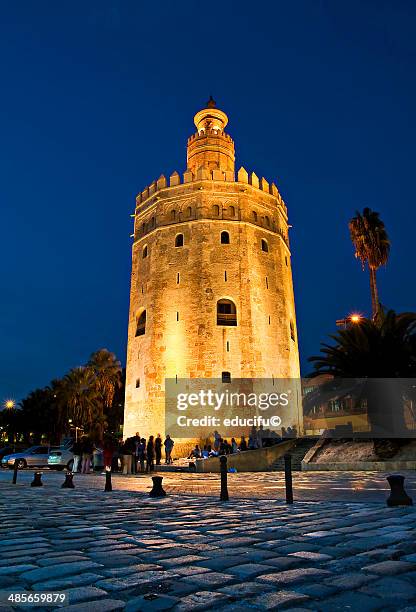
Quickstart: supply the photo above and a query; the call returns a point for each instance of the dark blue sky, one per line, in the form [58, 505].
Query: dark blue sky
[97, 100]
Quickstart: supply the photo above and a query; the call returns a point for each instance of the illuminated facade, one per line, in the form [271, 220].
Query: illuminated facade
[211, 285]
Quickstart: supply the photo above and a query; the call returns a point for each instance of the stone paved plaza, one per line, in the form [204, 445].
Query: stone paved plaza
[124, 551]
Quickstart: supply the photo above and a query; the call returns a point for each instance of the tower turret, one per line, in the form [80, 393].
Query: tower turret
[210, 147]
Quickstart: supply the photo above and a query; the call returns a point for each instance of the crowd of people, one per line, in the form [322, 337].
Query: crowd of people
[141, 455]
[136, 455]
[131, 456]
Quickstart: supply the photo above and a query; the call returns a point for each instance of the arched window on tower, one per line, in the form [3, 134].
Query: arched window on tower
[145, 252]
[264, 246]
[226, 312]
[141, 324]
[179, 240]
[189, 211]
[173, 215]
[225, 238]
[254, 215]
[216, 210]
[267, 221]
[232, 211]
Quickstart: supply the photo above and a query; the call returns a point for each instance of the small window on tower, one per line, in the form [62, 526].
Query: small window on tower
[267, 221]
[254, 214]
[264, 246]
[141, 324]
[232, 211]
[145, 252]
[226, 377]
[173, 215]
[225, 238]
[137, 383]
[179, 240]
[292, 331]
[189, 211]
[226, 313]
[216, 210]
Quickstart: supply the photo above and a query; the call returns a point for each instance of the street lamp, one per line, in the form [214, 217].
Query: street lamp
[9, 404]
[355, 318]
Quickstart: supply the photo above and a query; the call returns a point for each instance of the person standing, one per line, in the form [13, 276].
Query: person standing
[168, 444]
[108, 450]
[77, 452]
[136, 452]
[158, 449]
[87, 449]
[243, 444]
[141, 449]
[150, 455]
[217, 441]
[127, 456]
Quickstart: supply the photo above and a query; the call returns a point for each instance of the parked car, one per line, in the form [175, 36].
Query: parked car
[35, 456]
[60, 459]
[7, 450]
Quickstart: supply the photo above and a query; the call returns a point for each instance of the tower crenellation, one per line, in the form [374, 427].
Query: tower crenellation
[202, 238]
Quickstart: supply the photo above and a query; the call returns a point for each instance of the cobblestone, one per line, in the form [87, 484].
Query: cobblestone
[128, 552]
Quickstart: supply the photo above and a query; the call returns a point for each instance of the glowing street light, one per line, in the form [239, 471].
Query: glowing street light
[353, 319]
[9, 404]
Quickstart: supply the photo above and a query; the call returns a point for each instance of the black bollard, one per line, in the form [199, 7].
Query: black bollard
[69, 481]
[288, 478]
[398, 496]
[157, 490]
[223, 471]
[15, 468]
[108, 485]
[37, 480]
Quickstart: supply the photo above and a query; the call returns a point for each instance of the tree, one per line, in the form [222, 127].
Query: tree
[80, 394]
[107, 374]
[374, 351]
[372, 247]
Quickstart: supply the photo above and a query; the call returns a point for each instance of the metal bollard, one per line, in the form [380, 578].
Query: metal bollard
[398, 496]
[69, 481]
[15, 468]
[108, 485]
[223, 470]
[158, 490]
[288, 478]
[37, 480]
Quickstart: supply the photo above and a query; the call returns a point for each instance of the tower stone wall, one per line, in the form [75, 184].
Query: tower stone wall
[177, 281]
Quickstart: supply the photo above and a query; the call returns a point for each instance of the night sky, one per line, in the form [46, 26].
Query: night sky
[97, 100]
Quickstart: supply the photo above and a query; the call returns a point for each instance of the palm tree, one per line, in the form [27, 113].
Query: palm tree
[372, 246]
[80, 395]
[373, 351]
[107, 374]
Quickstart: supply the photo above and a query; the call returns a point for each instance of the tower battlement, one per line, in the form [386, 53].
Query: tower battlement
[204, 174]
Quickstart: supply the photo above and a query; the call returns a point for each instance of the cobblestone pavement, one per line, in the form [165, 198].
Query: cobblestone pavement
[308, 486]
[126, 551]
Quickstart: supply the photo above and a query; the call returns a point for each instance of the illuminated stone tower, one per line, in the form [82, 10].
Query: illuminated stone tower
[211, 284]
